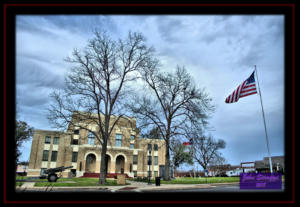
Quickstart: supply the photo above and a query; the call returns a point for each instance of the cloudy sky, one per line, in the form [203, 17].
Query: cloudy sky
[218, 51]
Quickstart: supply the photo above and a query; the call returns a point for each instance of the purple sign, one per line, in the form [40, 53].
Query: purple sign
[260, 181]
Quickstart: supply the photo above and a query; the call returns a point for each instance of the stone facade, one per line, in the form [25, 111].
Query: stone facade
[78, 147]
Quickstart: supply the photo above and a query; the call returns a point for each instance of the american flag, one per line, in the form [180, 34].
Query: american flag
[247, 88]
[188, 143]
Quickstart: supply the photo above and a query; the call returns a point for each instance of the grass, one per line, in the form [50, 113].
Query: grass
[19, 184]
[77, 182]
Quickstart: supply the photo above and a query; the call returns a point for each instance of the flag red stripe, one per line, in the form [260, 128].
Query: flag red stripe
[237, 95]
[252, 89]
[232, 96]
[243, 90]
[250, 85]
[248, 94]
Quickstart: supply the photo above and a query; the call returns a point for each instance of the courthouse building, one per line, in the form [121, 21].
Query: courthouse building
[78, 147]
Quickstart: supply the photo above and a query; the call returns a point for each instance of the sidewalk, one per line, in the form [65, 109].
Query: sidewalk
[133, 187]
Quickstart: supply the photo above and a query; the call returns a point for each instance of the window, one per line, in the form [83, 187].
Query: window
[75, 141]
[131, 136]
[155, 160]
[135, 174]
[45, 155]
[118, 140]
[155, 174]
[149, 147]
[155, 147]
[131, 146]
[47, 140]
[56, 140]
[53, 156]
[149, 160]
[42, 171]
[135, 159]
[76, 131]
[91, 138]
[74, 156]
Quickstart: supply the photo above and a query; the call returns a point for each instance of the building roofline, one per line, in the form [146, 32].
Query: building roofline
[44, 130]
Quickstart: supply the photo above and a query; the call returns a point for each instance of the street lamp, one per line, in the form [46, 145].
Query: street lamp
[149, 163]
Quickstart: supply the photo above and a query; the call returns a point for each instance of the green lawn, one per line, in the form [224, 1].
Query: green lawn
[19, 184]
[69, 182]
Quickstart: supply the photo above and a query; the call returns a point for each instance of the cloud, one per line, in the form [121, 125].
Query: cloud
[219, 51]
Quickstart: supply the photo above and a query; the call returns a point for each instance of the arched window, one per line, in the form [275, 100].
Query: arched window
[91, 138]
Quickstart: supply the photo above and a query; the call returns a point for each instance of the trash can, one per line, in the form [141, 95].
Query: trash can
[157, 181]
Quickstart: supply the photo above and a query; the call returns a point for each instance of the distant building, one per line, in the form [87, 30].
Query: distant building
[264, 166]
[235, 170]
[22, 170]
[79, 148]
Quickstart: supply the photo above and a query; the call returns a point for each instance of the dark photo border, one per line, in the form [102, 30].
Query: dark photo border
[10, 11]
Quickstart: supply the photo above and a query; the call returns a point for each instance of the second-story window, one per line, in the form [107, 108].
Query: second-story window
[74, 156]
[132, 137]
[56, 140]
[155, 147]
[75, 141]
[76, 131]
[91, 138]
[47, 140]
[155, 160]
[118, 140]
[135, 159]
[149, 147]
[54, 156]
[131, 146]
[45, 155]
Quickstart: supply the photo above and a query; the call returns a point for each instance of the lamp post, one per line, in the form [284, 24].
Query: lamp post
[149, 163]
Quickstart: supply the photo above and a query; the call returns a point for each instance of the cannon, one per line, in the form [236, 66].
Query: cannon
[51, 175]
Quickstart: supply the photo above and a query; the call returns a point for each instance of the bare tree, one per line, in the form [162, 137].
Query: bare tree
[206, 149]
[173, 100]
[95, 87]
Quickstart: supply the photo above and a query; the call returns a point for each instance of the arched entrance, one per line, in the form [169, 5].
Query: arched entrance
[90, 163]
[107, 163]
[120, 163]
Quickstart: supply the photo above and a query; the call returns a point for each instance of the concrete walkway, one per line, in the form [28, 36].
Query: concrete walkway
[133, 187]
[28, 185]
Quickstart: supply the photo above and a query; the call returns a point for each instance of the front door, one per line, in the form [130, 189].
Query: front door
[90, 163]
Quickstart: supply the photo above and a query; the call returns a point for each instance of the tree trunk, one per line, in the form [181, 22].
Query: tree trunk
[167, 166]
[102, 178]
[174, 172]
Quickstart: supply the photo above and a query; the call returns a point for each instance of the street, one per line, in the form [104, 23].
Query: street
[126, 189]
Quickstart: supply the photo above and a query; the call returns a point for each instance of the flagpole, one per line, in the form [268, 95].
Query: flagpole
[263, 113]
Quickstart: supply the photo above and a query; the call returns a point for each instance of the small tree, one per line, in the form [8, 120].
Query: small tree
[95, 87]
[23, 133]
[180, 154]
[173, 100]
